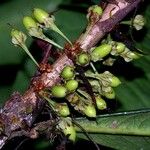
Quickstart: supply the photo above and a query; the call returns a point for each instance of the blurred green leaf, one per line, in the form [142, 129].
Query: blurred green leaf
[119, 131]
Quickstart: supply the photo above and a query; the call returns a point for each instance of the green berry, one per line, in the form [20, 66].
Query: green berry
[70, 132]
[90, 111]
[115, 81]
[29, 22]
[120, 47]
[40, 15]
[101, 104]
[97, 9]
[59, 91]
[71, 85]
[110, 95]
[83, 59]
[68, 72]
[100, 52]
[63, 109]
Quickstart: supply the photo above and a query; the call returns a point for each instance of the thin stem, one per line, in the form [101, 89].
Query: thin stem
[93, 67]
[29, 54]
[51, 42]
[56, 29]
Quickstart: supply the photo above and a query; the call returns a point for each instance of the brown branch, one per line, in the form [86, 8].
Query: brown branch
[19, 111]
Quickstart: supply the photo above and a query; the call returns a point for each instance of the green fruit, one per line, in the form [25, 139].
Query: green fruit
[70, 132]
[40, 15]
[90, 111]
[120, 47]
[83, 59]
[63, 109]
[100, 52]
[59, 91]
[101, 104]
[97, 9]
[115, 81]
[71, 85]
[68, 72]
[29, 23]
[110, 95]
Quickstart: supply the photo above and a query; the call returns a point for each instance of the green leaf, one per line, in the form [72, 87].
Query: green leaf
[124, 130]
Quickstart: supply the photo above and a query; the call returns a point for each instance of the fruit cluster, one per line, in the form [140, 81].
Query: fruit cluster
[73, 87]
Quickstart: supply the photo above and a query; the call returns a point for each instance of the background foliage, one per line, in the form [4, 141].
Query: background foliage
[16, 69]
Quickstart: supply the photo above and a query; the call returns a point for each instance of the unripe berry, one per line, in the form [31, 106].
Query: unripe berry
[70, 132]
[120, 47]
[115, 81]
[83, 59]
[97, 9]
[100, 52]
[68, 72]
[40, 15]
[63, 109]
[101, 104]
[29, 23]
[90, 111]
[59, 91]
[110, 95]
[71, 85]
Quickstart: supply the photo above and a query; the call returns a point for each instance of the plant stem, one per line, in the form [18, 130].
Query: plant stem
[29, 54]
[56, 29]
[93, 67]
